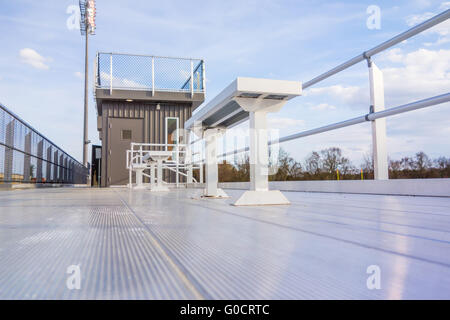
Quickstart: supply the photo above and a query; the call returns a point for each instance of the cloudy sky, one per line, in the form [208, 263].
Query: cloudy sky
[42, 62]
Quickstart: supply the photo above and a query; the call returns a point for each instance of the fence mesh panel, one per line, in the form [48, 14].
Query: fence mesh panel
[27, 156]
[122, 71]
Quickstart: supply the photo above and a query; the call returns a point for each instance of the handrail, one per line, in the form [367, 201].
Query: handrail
[195, 70]
[117, 74]
[381, 47]
[368, 117]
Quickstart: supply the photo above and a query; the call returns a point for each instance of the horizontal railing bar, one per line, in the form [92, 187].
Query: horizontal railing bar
[381, 47]
[368, 117]
[147, 55]
[443, 98]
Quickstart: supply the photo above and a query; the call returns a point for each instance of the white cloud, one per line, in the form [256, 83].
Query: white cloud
[442, 29]
[445, 5]
[352, 96]
[322, 107]
[78, 74]
[105, 79]
[415, 75]
[282, 123]
[34, 59]
[424, 73]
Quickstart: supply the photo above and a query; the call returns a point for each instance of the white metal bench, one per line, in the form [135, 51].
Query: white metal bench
[244, 98]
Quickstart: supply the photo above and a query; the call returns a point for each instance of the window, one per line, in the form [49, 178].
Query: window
[171, 131]
[126, 135]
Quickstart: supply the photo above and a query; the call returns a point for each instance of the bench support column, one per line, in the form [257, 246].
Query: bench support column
[159, 172]
[139, 179]
[212, 171]
[152, 175]
[259, 193]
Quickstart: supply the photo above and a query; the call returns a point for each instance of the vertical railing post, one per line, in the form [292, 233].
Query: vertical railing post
[192, 79]
[203, 76]
[9, 151]
[153, 76]
[380, 159]
[110, 74]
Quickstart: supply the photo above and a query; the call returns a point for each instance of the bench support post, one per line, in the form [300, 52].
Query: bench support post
[139, 179]
[152, 175]
[259, 193]
[212, 172]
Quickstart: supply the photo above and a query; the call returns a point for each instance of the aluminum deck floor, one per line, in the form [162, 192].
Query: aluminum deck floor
[173, 245]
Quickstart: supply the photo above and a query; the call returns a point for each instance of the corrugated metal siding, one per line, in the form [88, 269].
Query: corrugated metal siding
[154, 121]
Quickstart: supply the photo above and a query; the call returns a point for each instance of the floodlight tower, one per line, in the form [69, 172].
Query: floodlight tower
[87, 26]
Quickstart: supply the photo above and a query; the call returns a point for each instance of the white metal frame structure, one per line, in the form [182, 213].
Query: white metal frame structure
[377, 109]
[244, 98]
[154, 158]
[210, 115]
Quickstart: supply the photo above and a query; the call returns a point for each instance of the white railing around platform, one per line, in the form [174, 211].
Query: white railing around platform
[157, 158]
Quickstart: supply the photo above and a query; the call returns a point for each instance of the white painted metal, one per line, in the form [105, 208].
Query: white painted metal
[143, 156]
[152, 175]
[381, 47]
[212, 173]
[139, 178]
[240, 86]
[380, 158]
[159, 157]
[256, 97]
[440, 99]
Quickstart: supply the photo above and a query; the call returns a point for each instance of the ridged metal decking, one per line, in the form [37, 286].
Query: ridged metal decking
[146, 245]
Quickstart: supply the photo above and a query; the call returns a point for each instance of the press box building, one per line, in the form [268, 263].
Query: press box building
[141, 99]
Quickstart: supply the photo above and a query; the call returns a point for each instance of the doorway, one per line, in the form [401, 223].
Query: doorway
[121, 133]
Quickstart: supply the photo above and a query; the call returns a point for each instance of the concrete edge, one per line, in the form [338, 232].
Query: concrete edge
[403, 187]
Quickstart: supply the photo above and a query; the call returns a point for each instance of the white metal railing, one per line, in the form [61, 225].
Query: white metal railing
[147, 72]
[373, 114]
[179, 163]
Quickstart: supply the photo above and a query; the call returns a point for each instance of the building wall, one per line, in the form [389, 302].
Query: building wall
[154, 123]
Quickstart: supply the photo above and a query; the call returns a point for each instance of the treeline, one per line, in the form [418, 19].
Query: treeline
[328, 163]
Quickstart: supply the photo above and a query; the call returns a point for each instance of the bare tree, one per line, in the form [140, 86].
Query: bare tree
[313, 163]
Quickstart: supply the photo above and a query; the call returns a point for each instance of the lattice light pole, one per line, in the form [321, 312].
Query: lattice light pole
[87, 27]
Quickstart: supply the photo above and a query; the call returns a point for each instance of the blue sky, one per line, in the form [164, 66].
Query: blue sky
[41, 62]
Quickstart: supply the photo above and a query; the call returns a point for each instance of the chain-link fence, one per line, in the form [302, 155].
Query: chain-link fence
[27, 156]
[139, 72]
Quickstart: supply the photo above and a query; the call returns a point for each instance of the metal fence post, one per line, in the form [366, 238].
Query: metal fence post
[40, 155]
[153, 76]
[27, 158]
[192, 78]
[48, 171]
[110, 74]
[203, 76]
[380, 159]
[9, 152]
